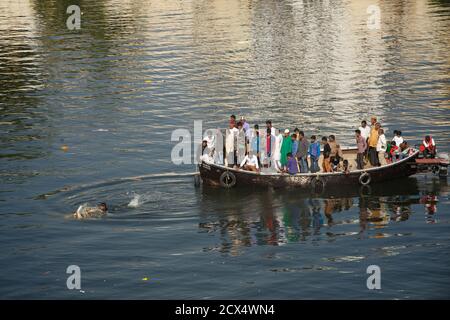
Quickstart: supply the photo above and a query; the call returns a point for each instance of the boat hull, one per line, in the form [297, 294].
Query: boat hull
[212, 174]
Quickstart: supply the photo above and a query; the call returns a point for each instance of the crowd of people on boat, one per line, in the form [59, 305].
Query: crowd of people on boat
[287, 151]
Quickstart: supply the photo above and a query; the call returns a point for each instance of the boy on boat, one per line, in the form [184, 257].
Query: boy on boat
[394, 152]
[397, 137]
[292, 165]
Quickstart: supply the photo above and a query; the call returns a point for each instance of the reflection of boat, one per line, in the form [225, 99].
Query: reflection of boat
[244, 217]
[215, 174]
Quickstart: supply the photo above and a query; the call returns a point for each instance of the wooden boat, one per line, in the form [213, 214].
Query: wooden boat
[220, 175]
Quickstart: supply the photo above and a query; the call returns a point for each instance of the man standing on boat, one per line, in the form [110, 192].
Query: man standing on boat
[231, 144]
[277, 151]
[241, 143]
[248, 132]
[381, 147]
[326, 155]
[256, 143]
[302, 153]
[362, 146]
[286, 147]
[314, 154]
[365, 130]
[273, 132]
[373, 141]
[270, 147]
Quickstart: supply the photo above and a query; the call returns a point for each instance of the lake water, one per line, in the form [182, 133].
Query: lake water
[87, 116]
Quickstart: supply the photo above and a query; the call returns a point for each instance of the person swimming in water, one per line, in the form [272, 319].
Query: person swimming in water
[84, 212]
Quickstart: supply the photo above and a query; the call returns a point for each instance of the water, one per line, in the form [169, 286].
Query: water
[86, 117]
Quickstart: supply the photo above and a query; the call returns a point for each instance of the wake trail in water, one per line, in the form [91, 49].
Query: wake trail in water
[114, 182]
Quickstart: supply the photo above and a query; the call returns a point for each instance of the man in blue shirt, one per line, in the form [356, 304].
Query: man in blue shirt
[314, 154]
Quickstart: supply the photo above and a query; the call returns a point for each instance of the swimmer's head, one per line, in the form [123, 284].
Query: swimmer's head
[102, 206]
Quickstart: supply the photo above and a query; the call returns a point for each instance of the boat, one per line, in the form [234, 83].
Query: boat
[213, 174]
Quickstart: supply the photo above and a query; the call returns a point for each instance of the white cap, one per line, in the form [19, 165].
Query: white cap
[286, 131]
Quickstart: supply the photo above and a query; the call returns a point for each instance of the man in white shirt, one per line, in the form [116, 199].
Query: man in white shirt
[246, 127]
[231, 145]
[365, 130]
[210, 139]
[250, 162]
[381, 147]
[204, 153]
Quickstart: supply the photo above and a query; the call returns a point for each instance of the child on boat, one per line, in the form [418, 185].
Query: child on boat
[346, 166]
[393, 152]
[292, 165]
[398, 139]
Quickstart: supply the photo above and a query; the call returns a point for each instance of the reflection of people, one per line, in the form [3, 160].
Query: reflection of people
[363, 215]
[400, 213]
[291, 215]
[317, 219]
[429, 202]
[378, 215]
